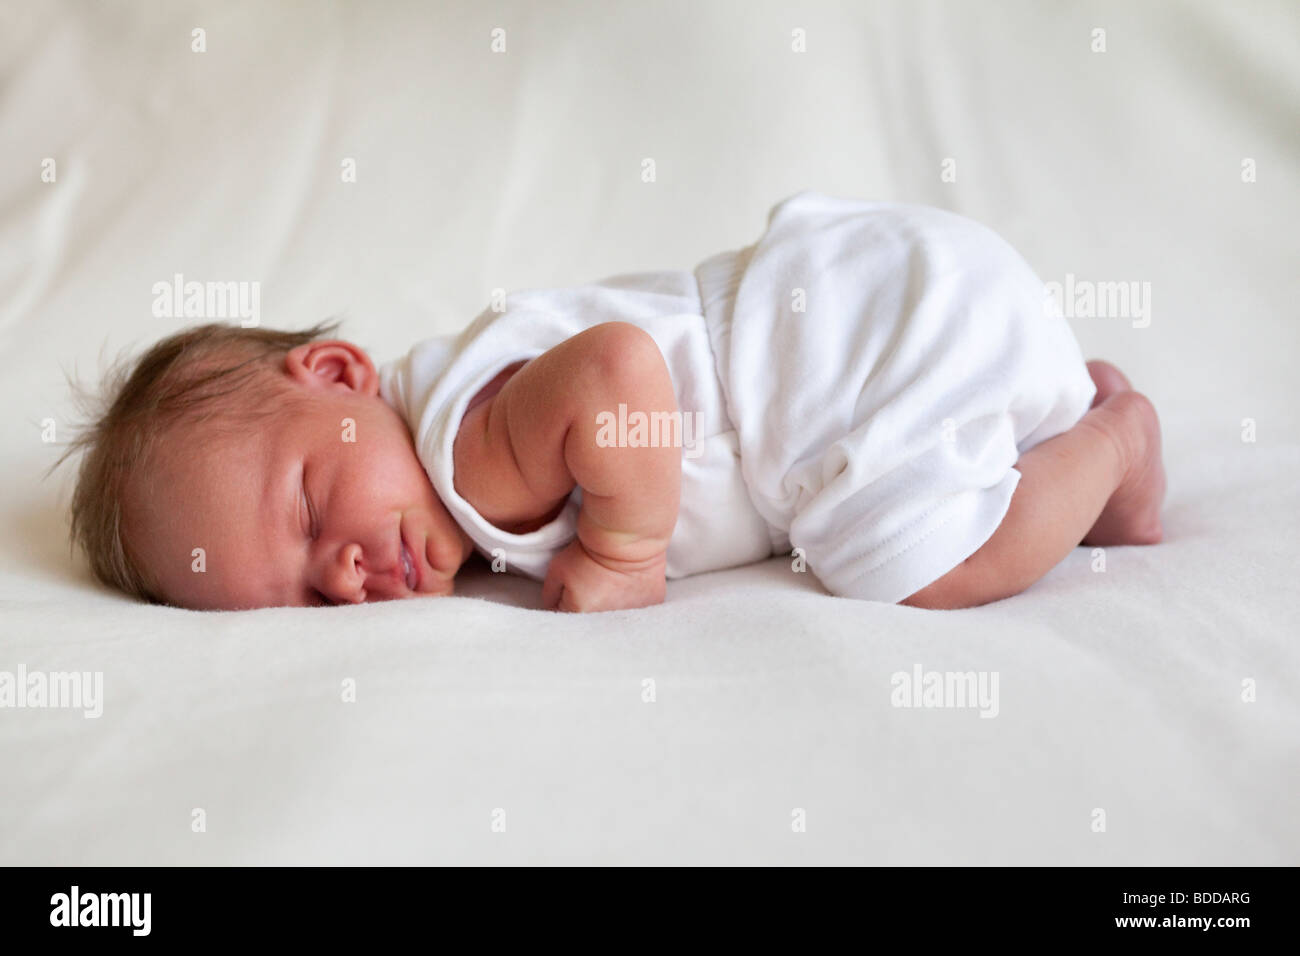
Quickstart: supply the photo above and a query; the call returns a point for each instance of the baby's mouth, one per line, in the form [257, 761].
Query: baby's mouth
[408, 568]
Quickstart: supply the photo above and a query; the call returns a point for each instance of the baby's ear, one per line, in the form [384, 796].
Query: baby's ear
[332, 364]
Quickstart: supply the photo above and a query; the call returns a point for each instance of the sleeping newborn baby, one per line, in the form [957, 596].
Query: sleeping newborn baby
[879, 392]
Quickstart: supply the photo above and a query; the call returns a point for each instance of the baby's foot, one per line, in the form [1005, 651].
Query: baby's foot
[1108, 380]
[1132, 515]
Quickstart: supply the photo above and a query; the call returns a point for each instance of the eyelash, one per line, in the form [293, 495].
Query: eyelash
[314, 597]
[313, 525]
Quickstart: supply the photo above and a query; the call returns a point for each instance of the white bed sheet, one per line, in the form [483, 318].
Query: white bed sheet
[1119, 690]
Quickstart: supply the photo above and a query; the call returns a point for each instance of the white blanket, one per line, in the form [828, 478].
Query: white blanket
[1147, 713]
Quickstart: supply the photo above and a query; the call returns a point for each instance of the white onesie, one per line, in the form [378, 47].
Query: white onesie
[859, 384]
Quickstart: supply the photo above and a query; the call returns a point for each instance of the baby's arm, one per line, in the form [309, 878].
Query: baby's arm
[520, 454]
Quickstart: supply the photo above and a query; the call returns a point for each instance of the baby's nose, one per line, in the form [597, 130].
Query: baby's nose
[344, 577]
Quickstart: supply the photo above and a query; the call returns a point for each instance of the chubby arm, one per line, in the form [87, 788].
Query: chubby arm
[520, 454]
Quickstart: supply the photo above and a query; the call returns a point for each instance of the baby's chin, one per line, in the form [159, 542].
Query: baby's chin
[446, 549]
[442, 559]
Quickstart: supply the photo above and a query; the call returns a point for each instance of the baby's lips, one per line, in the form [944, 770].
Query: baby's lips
[412, 572]
[409, 571]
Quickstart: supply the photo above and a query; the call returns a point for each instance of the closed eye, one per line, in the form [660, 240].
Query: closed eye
[313, 519]
[309, 522]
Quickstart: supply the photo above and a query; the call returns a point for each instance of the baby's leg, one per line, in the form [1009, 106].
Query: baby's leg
[1102, 483]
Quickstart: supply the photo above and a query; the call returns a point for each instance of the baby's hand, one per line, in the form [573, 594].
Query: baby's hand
[578, 581]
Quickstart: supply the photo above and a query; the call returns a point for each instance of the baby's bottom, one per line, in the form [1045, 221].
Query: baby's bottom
[1100, 483]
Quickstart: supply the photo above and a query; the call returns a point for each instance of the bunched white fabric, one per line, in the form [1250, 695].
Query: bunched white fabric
[885, 366]
[857, 385]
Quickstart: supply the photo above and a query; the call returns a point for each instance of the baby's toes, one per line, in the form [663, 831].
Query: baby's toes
[1132, 515]
[1108, 379]
[1145, 482]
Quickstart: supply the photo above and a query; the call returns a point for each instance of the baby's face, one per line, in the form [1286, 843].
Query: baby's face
[324, 502]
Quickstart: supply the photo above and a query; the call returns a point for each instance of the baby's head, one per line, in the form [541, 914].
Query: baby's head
[239, 468]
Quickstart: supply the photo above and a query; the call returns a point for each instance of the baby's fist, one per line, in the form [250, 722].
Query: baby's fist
[577, 581]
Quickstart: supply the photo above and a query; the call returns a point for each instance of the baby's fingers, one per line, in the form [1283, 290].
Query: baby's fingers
[562, 586]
